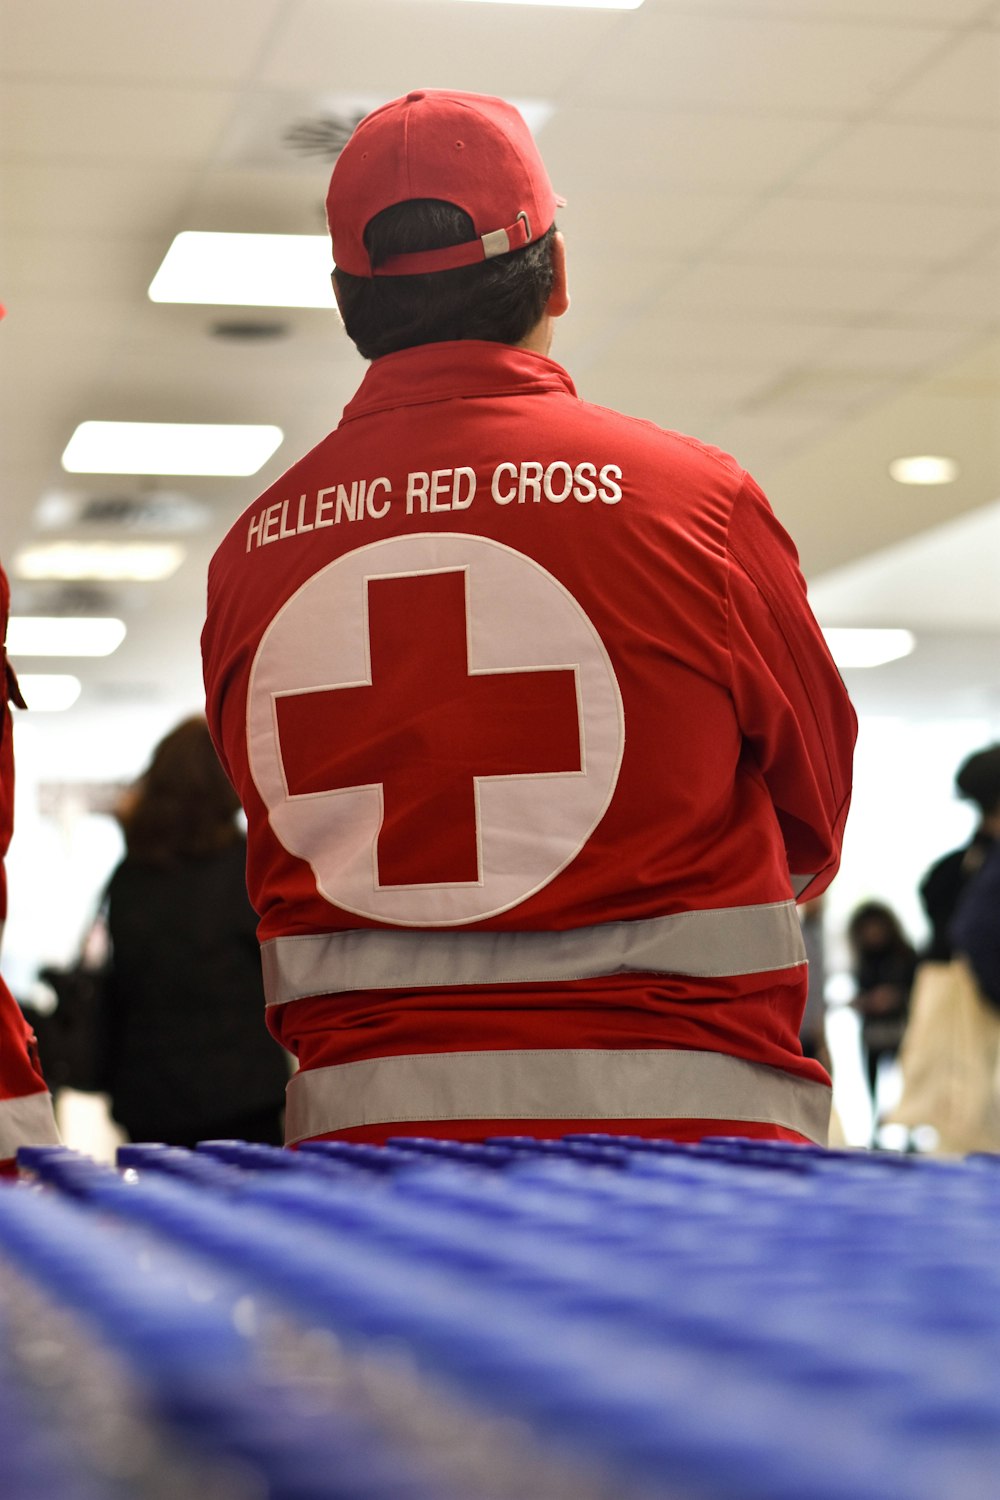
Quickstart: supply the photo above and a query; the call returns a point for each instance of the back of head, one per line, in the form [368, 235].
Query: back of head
[184, 807]
[875, 926]
[442, 216]
[978, 780]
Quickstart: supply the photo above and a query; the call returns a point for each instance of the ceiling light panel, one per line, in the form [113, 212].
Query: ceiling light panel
[924, 468]
[104, 562]
[48, 692]
[854, 647]
[63, 635]
[170, 448]
[246, 270]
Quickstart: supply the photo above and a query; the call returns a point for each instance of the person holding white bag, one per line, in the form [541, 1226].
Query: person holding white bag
[951, 1052]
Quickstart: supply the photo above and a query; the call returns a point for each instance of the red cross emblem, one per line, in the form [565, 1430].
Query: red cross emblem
[427, 729]
[435, 728]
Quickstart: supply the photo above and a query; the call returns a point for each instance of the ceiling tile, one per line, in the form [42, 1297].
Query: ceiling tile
[94, 198]
[672, 385]
[37, 262]
[825, 230]
[760, 441]
[667, 405]
[910, 160]
[70, 122]
[189, 40]
[739, 62]
[808, 293]
[656, 338]
[898, 12]
[665, 150]
[962, 86]
[263, 202]
[896, 347]
[814, 387]
[959, 297]
[665, 225]
[839, 492]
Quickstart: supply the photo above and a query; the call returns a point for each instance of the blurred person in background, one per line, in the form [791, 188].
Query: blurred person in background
[975, 929]
[883, 965]
[190, 1056]
[978, 782]
[949, 1054]
[26, 1117]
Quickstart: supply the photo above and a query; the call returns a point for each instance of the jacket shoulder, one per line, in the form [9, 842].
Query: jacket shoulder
[664, 443]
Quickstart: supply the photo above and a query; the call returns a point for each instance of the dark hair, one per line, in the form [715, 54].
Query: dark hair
[500, 299]
[183, 805]
[978, 779]
[876, 911]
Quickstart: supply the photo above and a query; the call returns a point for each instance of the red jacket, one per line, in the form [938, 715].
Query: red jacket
[538, 740]
[25, 1107]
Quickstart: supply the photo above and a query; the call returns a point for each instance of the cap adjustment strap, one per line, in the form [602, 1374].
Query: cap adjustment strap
[486, 247]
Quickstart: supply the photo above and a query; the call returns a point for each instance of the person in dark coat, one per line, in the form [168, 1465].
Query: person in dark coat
[975, 930]
[192, 1058]
[883, 965]
[978, 781]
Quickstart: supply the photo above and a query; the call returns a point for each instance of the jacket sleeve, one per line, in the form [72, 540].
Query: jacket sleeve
[796, 718]
[26, 1116]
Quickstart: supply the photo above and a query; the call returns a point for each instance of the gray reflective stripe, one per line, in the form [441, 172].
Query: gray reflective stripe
[598, 1084]
[707, 944]
[27, 1121]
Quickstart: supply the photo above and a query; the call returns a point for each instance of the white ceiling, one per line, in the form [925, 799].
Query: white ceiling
[783, 227]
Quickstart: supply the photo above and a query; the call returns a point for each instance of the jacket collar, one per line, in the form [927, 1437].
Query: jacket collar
[462, 369]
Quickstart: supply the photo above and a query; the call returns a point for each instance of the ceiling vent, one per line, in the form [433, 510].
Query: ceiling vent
[153, 511]
[64, 599]
[292, 131]
[159, 511]
[322, 137]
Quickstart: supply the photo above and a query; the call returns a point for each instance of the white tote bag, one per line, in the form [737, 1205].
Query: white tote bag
[949, 1059]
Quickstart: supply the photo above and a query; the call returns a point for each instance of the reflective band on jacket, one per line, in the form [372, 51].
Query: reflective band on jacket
[710, 944]
[598, 1084]
[27, 1121]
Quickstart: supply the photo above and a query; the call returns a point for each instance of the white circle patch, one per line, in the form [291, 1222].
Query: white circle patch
[452, 786]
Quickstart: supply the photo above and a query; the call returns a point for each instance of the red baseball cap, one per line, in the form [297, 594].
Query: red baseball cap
[470, 150]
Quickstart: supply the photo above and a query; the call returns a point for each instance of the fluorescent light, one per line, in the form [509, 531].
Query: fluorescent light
[868, 648]
[49, 692]
[62, 635]
[924, 468]
[170, 448]
[246, 270]
[570, 4]
[109, 562]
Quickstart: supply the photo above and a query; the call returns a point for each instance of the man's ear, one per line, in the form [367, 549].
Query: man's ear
[558, 302]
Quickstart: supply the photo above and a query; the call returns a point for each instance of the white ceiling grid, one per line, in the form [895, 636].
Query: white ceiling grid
[783, 227]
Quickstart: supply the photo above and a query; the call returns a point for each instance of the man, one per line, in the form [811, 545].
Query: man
[536, 734]
[26, 1116]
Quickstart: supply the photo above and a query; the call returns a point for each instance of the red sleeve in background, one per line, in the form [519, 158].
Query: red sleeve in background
[26, 1116]
[792, 706]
